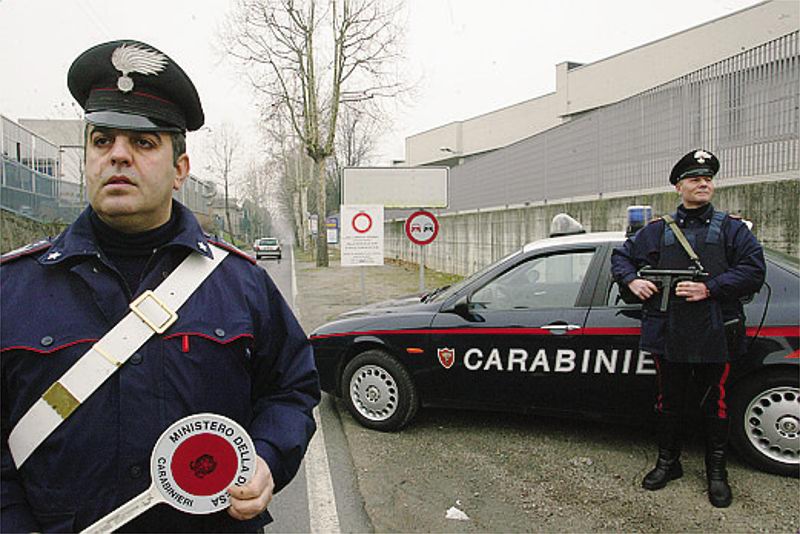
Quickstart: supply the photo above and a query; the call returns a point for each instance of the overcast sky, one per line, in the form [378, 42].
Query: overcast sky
[468, 56]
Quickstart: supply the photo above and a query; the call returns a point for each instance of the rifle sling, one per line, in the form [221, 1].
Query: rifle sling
[682, 239]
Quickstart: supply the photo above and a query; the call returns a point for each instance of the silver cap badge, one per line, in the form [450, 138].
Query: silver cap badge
[134, 58]
[701, 156]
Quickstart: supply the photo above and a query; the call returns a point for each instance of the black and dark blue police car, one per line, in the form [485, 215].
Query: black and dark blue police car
[546, 330]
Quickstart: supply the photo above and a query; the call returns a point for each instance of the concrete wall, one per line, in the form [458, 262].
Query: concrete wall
[484, 132]
[17, 231]
[469, 241]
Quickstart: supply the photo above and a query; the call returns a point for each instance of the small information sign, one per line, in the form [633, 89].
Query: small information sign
[362, 235]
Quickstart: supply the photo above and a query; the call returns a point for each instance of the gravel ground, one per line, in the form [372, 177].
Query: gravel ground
[515, 473]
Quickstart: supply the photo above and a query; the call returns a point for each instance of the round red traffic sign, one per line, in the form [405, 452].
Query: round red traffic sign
[362, 222]
[422, 227]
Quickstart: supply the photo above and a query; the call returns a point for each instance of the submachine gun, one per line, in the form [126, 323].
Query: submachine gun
[667, 279]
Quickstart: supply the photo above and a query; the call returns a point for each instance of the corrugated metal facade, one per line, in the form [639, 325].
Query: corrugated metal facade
[745, 109]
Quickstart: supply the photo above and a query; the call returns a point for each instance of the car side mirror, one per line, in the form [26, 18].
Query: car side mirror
[459, 307]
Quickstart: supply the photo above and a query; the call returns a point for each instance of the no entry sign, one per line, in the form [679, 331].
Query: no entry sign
[422, 227]
[193, 464]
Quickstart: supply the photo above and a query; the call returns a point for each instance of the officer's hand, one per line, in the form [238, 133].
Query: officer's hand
[693, 291]
[251, 499]
[644, 289]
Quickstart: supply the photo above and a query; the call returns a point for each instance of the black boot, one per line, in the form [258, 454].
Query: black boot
[719, 492]
[668, 466]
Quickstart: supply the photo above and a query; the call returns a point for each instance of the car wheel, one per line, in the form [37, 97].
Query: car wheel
[379, 391]
[765, 422]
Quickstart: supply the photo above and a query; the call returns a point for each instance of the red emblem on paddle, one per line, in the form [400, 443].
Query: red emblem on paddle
[447, 357]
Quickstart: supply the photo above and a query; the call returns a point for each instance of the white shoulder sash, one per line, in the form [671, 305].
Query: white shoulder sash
[151, 313]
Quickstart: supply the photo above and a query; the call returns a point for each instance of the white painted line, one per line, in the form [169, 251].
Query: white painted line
[321, 499]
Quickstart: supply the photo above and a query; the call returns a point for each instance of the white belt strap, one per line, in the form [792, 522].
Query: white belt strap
[151, 313]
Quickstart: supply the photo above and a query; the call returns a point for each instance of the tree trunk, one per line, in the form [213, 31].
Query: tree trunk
[228, 216]
[298, 224]
[306, 235]
[322, 235]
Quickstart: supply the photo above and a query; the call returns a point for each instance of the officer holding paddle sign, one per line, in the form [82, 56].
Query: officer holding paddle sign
[134, 318]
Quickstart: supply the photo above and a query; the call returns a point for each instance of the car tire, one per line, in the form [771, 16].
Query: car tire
[379, 391]
[765, 421]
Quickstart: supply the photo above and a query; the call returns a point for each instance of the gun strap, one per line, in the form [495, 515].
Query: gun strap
[682, 239]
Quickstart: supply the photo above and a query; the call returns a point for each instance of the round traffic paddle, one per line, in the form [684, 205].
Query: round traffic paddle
[193, 464]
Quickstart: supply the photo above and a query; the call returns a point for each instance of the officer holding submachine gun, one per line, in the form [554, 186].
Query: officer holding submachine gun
[703, 262]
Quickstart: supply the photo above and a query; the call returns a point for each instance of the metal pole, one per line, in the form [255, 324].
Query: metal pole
[421, 268]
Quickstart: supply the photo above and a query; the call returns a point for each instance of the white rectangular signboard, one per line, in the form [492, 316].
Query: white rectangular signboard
[396, 187]
[362, 235]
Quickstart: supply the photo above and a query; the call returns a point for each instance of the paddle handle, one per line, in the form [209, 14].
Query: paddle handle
[128, 511]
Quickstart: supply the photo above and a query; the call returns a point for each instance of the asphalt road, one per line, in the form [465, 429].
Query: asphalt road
[324, 496]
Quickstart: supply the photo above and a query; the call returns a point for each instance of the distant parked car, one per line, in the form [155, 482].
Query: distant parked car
[267, 247]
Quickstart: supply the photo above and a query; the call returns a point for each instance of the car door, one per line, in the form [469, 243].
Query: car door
[621, 379]
[514, 343]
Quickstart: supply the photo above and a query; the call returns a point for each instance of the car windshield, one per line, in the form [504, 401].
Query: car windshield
[438, 296]
[267, 242]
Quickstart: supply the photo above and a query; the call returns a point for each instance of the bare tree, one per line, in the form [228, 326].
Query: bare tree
[290, 177]
[222, 152]
[255, 187]
[358, 129]
[303, 55]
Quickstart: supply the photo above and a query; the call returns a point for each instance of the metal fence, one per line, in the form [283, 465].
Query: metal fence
[744, 109]
[45, 198]
[38, 195]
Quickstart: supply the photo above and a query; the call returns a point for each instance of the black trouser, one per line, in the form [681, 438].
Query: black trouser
[673, 386]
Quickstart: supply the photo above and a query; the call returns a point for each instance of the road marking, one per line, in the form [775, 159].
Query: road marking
[321, 499]
[322, 514]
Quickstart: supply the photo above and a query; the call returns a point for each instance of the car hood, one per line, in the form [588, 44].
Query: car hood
[404, 304]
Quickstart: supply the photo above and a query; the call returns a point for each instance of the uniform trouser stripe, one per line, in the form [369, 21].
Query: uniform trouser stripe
[722, 406]
[673, 379]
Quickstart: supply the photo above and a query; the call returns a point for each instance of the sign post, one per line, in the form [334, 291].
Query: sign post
[422, 227]
[362, 238]
[395, 188]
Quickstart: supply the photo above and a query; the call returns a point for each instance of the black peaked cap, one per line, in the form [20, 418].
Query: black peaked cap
[133, 86]
[698, 162]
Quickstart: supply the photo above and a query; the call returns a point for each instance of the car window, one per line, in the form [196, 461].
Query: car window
[552, 281]
[455, 288]
[268, 242]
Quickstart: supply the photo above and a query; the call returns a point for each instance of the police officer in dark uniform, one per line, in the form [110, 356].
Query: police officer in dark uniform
[689, 339]
[234, 348]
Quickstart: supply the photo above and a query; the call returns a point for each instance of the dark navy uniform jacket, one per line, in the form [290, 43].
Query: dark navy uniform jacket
[694, 332]
[235, 350]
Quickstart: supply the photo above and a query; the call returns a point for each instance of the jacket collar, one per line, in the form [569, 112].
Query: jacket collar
[79, 239]
[703, 214]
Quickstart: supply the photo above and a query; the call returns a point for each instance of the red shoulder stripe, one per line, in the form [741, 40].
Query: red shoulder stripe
[234, 250]
[24, 251]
